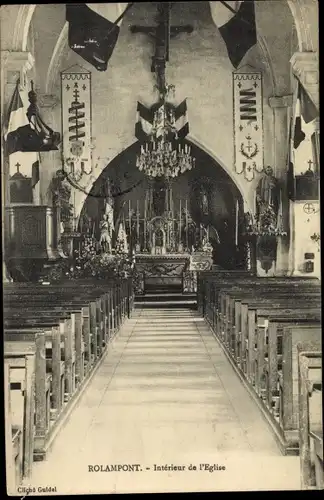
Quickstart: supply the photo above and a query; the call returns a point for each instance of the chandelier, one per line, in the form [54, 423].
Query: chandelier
[163, 155]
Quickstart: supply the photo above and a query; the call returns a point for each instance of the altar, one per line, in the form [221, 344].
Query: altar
[161, 273]
[172, 273]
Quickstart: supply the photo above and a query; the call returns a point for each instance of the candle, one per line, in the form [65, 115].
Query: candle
[145, 201]
[236, 222]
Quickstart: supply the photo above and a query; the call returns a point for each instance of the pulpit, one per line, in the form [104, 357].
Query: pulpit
[31, 240]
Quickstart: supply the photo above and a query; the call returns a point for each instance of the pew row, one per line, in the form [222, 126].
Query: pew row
[19, 381]
[68, 330]
[259, 324]
[310, 398]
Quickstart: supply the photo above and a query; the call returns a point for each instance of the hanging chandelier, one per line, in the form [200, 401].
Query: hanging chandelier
[163, 155]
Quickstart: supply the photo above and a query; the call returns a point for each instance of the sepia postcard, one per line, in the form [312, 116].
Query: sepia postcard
[161, 247]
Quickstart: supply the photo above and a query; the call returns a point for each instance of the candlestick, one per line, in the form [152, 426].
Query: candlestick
[187, 235]
[138, 222]
[236, 222]
[145, 201]
[180, 223]
[130, 218]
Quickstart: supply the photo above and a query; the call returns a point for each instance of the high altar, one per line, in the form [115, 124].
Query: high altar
[167, 245]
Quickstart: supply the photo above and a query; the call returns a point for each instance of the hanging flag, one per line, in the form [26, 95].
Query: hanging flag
[159, 115]
[302, 147]
[35, 173]
[25, 130]
[299, 135]
[181, 120]
[94, 31]
[19, 134]
[236, 24]
[290, 164]
[308, 109]
[76, 124]
[248, 123]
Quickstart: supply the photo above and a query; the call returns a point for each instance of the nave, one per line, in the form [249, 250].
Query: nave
[166, 394]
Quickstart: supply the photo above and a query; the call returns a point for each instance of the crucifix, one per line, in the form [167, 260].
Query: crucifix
[310, 163]
[162, 33]
[18, 166]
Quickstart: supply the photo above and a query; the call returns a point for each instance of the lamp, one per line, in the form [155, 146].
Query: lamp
[163, 155]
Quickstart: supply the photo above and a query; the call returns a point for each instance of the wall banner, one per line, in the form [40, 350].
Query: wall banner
[76, 122]
[248, 124]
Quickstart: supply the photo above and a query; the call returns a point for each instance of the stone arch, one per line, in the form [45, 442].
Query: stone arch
[55, 62]
[22, 25]
[81, 196]
[230, 172]
[305, 13]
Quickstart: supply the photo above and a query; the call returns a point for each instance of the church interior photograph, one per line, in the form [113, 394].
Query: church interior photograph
[161, 247]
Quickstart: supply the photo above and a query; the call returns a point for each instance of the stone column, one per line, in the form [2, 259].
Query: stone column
[14, 65]
[280, 105]
[305, 214]
[50, 160]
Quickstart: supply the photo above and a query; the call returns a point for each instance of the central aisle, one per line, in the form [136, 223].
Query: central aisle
[165, 394]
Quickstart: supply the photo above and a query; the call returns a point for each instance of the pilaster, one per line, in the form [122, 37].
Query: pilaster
[14, 65]
[305, 66]
[51, 160]
[280, 105]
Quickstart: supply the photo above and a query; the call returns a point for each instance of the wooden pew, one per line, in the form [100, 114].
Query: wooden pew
[255, 317]
[49, 378]
[230, 307]
[294, 337]
[19, 376]
[211, 282]
[310, 417]
[69, 329]
[65, 322]
[220, 301]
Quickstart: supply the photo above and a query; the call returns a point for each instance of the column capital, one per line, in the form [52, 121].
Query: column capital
[280, 101]
[47, 100]
[305, 66]
[16, 64]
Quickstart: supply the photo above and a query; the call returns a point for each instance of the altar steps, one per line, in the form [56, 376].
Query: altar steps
[166, 300]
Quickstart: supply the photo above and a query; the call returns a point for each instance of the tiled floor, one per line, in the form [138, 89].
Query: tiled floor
[165, 394]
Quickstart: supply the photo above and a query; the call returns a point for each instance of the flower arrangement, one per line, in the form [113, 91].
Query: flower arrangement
[265, 224]
[90, 264]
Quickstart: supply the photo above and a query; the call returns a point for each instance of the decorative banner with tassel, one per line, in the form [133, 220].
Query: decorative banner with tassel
[248, 123]
[76, 123]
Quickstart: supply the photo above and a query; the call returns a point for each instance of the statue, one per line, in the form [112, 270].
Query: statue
[204, 203]
[105, 238]
[60, 188]
[267, 193]
[109, 207]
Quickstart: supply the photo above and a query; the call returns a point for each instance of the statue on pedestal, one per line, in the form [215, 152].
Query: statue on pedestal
[267, 194]
[267, 207]
[105, 238]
